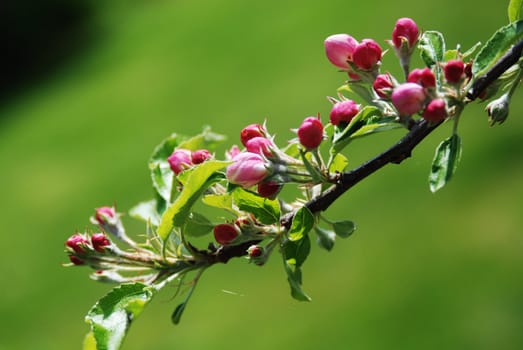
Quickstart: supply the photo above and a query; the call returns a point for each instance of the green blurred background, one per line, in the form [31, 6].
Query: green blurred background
[94, 90]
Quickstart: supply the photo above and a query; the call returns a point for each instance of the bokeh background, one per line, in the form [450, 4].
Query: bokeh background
[88, 89]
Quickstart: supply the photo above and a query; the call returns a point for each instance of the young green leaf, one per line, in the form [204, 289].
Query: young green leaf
[432, 47]
[111, 317]
[206, 140]
[338, 163]
[146, 211]
[445, 162]
[267, 211]
[496, 47]
[197, 225]
[302, 223]
[161, 173]
[343, 228]
[294, 254]
[514, 10]
[200, 178]
[326, 238]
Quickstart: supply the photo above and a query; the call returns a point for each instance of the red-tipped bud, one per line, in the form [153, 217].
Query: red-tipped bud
[76, 260]
[99, 242]
[247, 169]
[255, 251]
[78, 243]
[200, 156]
[180, 160]
[408, 98]
[260, 145]
[225, 233]
[454, 71]
[251, 131]
[367, 54]
[405, 28]
[339, 49]
[383, 86]
[425, 77]
[343, 112]
[104, 214]
[269, 189]
[310, 132]
[435, 111]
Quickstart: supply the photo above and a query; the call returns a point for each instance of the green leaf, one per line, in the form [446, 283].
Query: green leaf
[312, 170]
[359, 89]
[178, 312]
[206, 140]
[514, 10]
[374, 128]
[221, 201]
[111, 317]
[467, 55]
[326, 238]
[432, 47]
[267, 211]
[341, 138]
[445, 162]
[199, 179]
[496, 47]
[338, 164]
[197, 225]
[294, 255]
[302, 223]
[343, 228]
[146, 211]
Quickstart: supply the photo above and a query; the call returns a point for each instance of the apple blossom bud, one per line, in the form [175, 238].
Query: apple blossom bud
[103, 215]
[225, 233]
[200, 156]
[180, 160]
[251, 131]
[425, 77]
[383, 85]
[232, 152]
[435, 111]
[405, 28]
[260, 145]
[454, 71]
[367, 54]
[76, 260]
[310, 132]
[78, 243]
[343, 112]
[247, 169]
[408, 98]
[498, 109]
[269, 189]
[100, 241]
[255, 251]
[339, 49]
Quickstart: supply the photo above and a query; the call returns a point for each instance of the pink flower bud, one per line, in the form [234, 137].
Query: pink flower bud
[247, 169]
[100, 241]
[425, 77]
[225, 233]
[367, 54]
[339, 49]
[251, 131]
[408, 98]
[78, 243]
[310, 133]
[405, 28]
[255, 251]
[383, 85]
[76, 260]
[260, 145]
[103, 214]
[269, 189]
[435, 111]
[180, 160]
[454, 71]
[200, 156]
[232, 152]
[343, 111]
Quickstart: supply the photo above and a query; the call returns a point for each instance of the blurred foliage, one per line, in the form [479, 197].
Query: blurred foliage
[422, 270]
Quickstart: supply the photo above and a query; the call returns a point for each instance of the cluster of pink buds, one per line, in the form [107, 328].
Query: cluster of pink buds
[82, 246]
[182, 159]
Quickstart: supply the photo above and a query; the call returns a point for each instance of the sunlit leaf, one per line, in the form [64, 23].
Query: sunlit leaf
[146, 211]
[445, 162]
[432, 47]
[206, 140]
[302, 223]
[197, 225]
[514, 10]
[266, 210]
